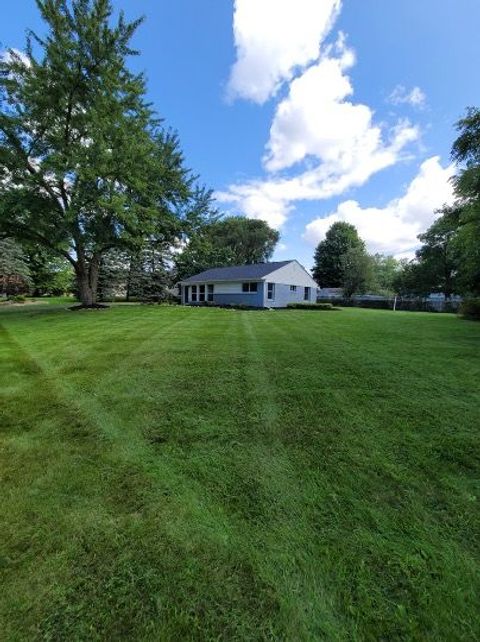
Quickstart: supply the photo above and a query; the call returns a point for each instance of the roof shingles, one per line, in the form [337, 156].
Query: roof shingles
[237, 272]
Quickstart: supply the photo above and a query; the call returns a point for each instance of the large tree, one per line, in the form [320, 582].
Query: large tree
[439, 257]
[466, 152]
[233, 240]
[329, 264]
[84, 164]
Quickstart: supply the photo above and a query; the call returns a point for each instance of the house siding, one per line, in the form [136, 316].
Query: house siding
[284, 296]
[253, 299]
[230, 294]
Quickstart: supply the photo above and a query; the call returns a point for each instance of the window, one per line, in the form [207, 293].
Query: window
[249, 287]
[210, 292]
[270, 291]
[185, 293]
[306, 294]
[293, 288]
[194, 292]
[201, 296]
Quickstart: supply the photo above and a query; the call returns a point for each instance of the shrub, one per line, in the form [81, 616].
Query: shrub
[470, 309]
[311, 306]
[18, 298]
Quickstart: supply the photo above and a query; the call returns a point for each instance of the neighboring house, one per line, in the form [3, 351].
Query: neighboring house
[260, 285]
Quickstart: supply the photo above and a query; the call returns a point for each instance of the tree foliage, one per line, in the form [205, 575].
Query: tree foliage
[85, 164]
[385, 270]
[234, 240]
[466, 152]
[329, 264]
[15, 277]
[357, 267]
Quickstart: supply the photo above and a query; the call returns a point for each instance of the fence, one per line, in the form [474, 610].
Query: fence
[429, 304]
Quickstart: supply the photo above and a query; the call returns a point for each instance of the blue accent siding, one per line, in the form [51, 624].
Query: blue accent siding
[253, 299]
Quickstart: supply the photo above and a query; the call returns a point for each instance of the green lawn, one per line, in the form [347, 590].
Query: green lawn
[181, 474]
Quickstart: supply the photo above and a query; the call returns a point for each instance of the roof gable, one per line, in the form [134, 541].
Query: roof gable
[237, 272]
[294, 273]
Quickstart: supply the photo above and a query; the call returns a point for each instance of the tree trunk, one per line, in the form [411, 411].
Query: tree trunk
[87, 281]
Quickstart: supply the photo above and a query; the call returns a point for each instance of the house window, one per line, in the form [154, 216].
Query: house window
[293, 288]
[201, 295]
[249, 287]
[210, 292]
[306, 294]
[194, 293]
[270, 291]
[185, 293]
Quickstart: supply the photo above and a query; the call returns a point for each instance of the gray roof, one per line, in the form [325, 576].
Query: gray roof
[237, 272]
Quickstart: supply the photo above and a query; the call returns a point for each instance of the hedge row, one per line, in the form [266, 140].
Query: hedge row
[470, 309]
[311, 306]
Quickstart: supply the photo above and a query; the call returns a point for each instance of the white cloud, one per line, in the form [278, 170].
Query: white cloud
[316, 120]
[273, 38]
[10, 55]
[394, 228]
[415, 97]
[337, 141]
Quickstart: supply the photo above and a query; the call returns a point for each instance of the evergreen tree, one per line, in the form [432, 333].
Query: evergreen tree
[84, 164]
[15, 275]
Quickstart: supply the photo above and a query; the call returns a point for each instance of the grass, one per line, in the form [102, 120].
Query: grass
[205, 474]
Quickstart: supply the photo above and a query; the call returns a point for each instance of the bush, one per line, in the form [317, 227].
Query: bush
[470, 309]
[310, 306]
[17, 298]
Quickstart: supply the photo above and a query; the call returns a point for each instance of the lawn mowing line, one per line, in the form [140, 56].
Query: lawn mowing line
[296, 570]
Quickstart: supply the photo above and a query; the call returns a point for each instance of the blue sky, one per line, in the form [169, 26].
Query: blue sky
[304, 112]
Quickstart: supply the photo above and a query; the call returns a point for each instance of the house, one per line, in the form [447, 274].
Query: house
[260, 285]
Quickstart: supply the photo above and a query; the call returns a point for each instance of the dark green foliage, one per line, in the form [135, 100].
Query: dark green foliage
[329, 267]
[136, 276]
[233, 240]
[15, 275]
[466, 151]
[50, 274]
[85, 165]
[310, 306]
[219, 475]
[470, 309]
[439, 256]
[358, 272]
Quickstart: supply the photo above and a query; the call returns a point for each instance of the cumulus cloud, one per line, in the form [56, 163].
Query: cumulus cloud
[401, 96]
[336, 140]
[317, 120]
[273, 38]
[394, 228]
